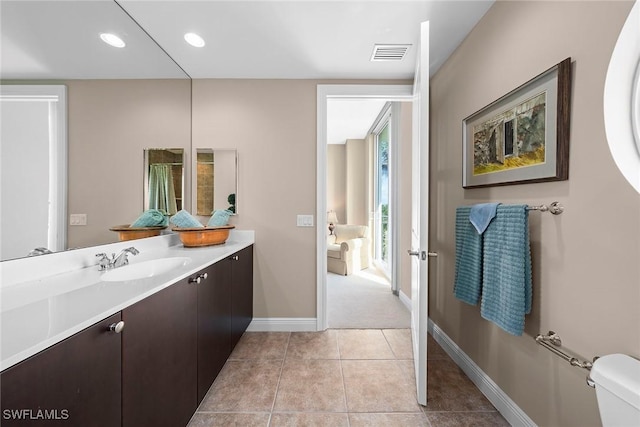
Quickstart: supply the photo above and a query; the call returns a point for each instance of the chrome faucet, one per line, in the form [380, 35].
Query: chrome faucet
[40, 251]
[106, 263]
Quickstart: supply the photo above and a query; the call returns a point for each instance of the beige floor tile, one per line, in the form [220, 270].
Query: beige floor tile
[449, 389]
[261, 345]
[378, 386]
[400, 342]
[244, 386]
[434, 351]
[309, 419]
[466, 419]
[313, 345]
[209, 419]
[312, 386]
[388, 420]
[363, 344]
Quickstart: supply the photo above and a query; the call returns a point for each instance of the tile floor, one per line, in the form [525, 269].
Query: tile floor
[340, 377]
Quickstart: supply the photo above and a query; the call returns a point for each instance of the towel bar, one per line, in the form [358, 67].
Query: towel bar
[554, 208]
[552, 341]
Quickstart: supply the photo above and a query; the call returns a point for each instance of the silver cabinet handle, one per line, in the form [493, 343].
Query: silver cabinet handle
[413, 253]
[235, 257]
[432, 254]
[199, 278]
[116, 327]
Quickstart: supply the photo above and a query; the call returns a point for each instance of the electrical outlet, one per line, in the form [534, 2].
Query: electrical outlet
[305, 221]
[78, 219]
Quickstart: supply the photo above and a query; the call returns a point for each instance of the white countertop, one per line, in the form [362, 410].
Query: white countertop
[44, 310]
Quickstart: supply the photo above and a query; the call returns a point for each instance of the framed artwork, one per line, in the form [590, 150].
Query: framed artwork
[523, 137]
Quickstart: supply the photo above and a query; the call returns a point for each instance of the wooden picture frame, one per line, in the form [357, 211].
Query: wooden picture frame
[523, 137]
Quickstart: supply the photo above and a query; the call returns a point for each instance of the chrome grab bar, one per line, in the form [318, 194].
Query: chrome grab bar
[552, 341]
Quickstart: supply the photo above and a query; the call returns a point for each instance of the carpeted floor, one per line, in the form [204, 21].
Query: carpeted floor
[364, 300]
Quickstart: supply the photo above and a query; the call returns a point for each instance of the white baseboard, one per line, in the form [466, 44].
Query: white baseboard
[283, 324]
[405, 300]
[503, 403]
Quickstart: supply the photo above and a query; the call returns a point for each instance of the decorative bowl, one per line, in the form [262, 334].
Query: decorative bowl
[125, 232]
[203, 236]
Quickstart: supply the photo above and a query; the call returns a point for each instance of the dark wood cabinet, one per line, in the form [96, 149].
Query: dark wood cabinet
[214, 323]
[75, 382]
[241, 293]
[159, 345]
[153, 373]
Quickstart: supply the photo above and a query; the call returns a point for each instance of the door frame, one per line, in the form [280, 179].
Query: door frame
[324, 93]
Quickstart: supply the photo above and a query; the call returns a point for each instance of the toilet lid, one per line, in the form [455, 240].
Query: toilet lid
[620, 375]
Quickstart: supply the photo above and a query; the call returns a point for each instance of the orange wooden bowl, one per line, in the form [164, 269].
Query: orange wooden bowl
[203, 236]
[128, 233]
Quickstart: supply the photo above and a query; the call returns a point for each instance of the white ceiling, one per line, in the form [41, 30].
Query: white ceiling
[260, 39]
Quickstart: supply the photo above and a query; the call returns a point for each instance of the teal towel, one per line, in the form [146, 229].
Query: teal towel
[482, 214]
[219, 217]
[150, 218]
[506, 290]
[468, 273]
[183, 219]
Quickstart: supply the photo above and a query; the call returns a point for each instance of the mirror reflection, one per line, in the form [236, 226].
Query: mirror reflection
[164, 179]
[119, 101]
[216, 181]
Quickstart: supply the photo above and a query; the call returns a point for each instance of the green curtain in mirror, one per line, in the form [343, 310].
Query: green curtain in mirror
[162, 195]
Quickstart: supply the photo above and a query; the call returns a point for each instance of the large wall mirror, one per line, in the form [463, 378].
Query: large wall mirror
[119, 101]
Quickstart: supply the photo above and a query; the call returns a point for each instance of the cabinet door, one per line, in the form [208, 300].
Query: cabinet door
[242, 293]
[73, 383]
[159, 376]
[214, 323]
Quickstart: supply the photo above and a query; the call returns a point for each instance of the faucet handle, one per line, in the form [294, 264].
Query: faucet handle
[104, 261]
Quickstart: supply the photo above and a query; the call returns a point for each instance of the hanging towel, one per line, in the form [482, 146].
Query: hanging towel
[219, 217]
[468, 273]
[183, 219]
[150, 218]
[482, 214]
[506, 290]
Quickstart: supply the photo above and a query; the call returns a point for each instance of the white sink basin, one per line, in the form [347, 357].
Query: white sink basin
[144, 269]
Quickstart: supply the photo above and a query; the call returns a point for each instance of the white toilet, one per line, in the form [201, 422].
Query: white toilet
[617, 383]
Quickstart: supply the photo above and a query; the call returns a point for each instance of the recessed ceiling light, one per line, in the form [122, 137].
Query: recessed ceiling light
[112, 39]
[194, 40]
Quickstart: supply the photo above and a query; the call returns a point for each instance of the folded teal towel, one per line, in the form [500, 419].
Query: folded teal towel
[219, 217]
[468, 272]
[183, 219]
[150, 218]
[506, 278]
[482, 214]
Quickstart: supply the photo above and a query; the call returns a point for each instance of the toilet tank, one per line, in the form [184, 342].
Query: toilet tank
[617, 382]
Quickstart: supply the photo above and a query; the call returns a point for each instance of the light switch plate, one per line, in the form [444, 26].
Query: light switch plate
[305, 221]
[78, 219]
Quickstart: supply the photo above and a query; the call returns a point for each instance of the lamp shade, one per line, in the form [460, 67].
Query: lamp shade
[332, 218]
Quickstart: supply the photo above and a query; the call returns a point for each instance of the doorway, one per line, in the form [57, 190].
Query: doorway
[393, 95]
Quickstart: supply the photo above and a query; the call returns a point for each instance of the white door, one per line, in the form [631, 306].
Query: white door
[419, 216]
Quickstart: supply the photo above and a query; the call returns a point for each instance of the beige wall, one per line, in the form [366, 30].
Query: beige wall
[585, 261]
[111, 122]
[336, 180]
[356, 180]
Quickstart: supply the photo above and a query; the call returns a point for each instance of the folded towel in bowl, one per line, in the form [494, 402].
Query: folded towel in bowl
[184, 219]
[150, 218]
[219, 217]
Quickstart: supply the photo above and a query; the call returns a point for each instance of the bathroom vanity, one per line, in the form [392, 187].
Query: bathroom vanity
[148, 362]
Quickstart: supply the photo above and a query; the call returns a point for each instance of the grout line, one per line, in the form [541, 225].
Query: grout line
[275, 396]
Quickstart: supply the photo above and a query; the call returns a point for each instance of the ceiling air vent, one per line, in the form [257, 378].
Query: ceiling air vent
[389, 52]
